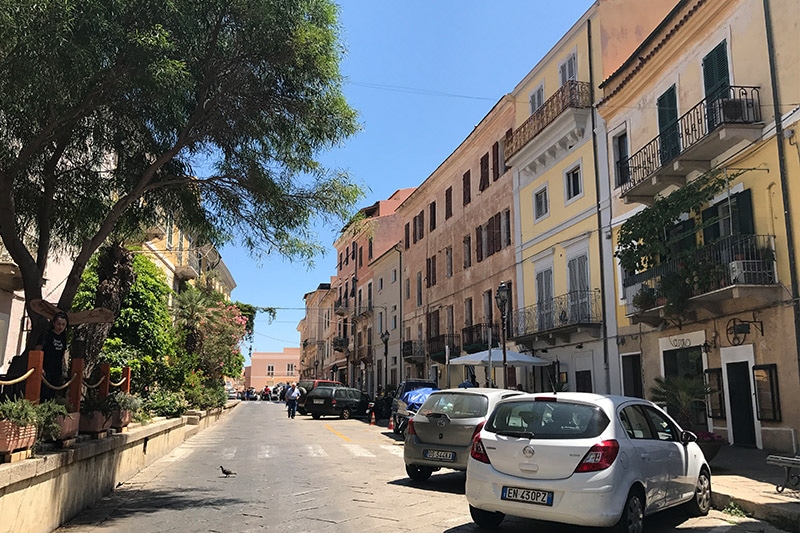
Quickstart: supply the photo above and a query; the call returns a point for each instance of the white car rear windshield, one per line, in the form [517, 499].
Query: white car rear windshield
[547, 420]
[456, 405]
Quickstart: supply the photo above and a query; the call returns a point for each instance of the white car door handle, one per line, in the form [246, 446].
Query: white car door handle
[645, 457]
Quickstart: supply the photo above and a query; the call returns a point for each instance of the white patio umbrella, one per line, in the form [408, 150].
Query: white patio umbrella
[512, 359]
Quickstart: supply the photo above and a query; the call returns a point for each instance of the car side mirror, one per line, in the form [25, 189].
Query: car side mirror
[687, 437]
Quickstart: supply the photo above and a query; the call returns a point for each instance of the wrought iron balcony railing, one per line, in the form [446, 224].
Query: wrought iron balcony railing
[730, 261]
[736, 105]
[341, 306]
[437, 347]
[573, 94]
[413, 350]
[575, 308]
[475, 338]
[340, 344]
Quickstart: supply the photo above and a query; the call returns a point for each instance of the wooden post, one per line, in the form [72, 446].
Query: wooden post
[105, 372]
[76, 386]
[126, 375]
[33, 385]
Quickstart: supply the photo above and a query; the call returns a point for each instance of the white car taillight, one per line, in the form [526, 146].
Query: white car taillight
[600, 457]
[477, 451]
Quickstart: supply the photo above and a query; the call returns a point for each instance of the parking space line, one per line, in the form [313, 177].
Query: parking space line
[329, 428]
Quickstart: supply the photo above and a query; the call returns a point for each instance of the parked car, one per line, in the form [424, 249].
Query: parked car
[399, 407]
[307, 386]
[344, 402]
[440, 434]
[584, 459]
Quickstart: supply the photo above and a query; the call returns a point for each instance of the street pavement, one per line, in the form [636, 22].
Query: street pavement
[330, 475]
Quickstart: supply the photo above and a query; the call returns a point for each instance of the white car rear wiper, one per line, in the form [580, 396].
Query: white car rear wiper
[519, 434]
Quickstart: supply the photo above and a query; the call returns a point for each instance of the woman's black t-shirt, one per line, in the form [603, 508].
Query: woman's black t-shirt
[53, 347]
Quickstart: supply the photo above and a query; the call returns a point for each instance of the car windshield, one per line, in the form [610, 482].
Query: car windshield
[455, 405]
[547, 420]
[321, 392]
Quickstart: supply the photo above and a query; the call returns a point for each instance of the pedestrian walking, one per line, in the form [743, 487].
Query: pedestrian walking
[292, 394]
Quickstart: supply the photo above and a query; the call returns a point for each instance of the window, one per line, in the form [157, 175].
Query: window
[768, 402]
[419, 226]
[448, 203]
[448, 262]
[432, 216]
[568, 70]
[270, 369]
[541, 205]
[394, 275]
[339, 265]
[537, 98]
[622, 172]
[353, 251]
[479, 244]
[484, 184]
[407, 235]
[394, 321]
[466, 186]
[360, 256]
[505, 228]
[289, 369]
[380, 284]
[408, 289]
[430, 271]
[369, 250]
[468, 312]
[467, 251]
[544, 299]
[573, 183]
[579, 298]
[715, 400]
[419, 288]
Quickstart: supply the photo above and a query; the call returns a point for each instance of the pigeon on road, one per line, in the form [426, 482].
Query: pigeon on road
[226, 471]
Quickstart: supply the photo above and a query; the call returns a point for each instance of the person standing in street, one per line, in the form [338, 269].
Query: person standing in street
[292, 394]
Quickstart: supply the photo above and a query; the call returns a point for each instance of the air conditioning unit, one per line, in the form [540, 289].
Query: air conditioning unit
[747, 272]
[736, 110]
[736, 269]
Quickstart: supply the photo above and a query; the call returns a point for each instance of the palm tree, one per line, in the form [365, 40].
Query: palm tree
[190, 309]
[681, 395]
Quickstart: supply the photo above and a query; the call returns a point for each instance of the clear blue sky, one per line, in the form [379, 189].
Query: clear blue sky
[421, 75]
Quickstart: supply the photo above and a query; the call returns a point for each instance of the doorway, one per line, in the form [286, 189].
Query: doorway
[632, 375]
[741, 404]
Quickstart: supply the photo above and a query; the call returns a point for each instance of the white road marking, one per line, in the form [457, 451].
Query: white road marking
[178, 454]
[264, 452]
[358, 451]
[228, 453]
[394, 450]
[315, 450]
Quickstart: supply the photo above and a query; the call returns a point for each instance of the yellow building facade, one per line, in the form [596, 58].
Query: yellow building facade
[710, 97]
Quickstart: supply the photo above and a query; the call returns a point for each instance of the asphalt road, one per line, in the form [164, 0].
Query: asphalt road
[307, 475]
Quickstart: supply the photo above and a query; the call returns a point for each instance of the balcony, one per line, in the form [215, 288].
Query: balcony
[340, 344]
[476, 337]
[364, 310]
[703, 133]
[557, 319]
[734, 267]
[413, 352]
[341, 307]
[571, 102]
[437, 347]
[363, 353]
[188, 266]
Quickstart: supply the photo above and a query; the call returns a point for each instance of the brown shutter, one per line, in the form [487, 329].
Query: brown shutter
[479, 243]
[495, 161]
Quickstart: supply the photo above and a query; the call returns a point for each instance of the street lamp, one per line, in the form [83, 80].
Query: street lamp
[501, 297]
[385, 340]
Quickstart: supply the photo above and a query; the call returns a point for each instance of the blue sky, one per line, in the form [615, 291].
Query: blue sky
[421, 75]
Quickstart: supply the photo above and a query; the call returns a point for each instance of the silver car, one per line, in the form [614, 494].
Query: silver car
[440, 434]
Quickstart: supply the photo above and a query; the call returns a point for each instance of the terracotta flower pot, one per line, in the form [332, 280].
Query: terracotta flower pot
[69, 425]
[94, 422]
[120, 418]
[15, 437]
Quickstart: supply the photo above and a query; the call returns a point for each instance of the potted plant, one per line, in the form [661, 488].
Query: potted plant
[124, 405]
[55, 419]
[644, 299]
[681, 395]
[96, 412]
[17, 425]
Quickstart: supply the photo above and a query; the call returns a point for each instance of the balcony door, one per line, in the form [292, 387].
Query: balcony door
[669, 133]
[579, 303]
[544, 299]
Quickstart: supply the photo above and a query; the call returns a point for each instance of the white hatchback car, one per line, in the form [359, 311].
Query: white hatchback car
[583, 459]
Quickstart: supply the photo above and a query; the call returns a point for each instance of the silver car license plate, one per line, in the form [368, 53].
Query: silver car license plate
[540, 497]
[319, 400]
[439, 455]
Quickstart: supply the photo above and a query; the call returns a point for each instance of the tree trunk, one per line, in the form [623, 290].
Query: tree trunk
[115, 275]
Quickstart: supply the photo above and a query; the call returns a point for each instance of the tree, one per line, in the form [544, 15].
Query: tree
[128, 99]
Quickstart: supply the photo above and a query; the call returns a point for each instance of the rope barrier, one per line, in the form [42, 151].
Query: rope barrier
[123, 380]
[95, 385]
[62, 387]
[19, 379]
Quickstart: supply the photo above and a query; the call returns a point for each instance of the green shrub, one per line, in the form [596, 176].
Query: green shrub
[162, 402]
[46, 414]
[20, 411]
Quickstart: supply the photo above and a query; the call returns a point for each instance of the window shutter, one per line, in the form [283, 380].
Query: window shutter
[421, 224]
[743, 213]
[407, 236]
[427, 272]
[433, 270]
[484, 172]
[710, 229]
[479, 243]
[715, 72]
[495, 161]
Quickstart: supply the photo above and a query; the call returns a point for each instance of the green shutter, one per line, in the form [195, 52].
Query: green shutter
[743, 213]
[715, 71]
[710, 229]
[667, 105]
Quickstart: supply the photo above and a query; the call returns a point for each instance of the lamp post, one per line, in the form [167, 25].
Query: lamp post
[501, 297]
[385, 340]
[316, 369]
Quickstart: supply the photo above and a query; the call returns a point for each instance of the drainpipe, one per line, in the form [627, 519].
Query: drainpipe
[787, 212]
[600, 233]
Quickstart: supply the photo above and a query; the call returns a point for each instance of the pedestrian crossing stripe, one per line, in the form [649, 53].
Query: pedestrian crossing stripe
[358, 451]
[315, 450]
[394, 450]
[264, 452]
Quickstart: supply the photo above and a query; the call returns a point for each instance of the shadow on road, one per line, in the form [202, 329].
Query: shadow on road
[449, 482]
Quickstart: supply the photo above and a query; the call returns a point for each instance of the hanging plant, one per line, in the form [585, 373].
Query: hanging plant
[643, 237]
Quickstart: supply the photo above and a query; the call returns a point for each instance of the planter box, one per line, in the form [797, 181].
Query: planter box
[94, 422]
[69, 425]
[120, 418]
[14, 437]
